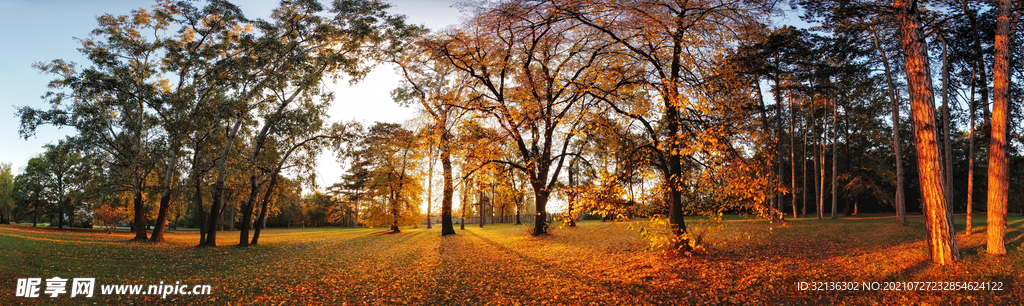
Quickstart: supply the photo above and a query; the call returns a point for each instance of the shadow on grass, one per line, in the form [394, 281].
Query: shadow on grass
[614, 287]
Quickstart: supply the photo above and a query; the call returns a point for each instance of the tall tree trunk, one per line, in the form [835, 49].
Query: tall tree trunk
[430, 185]
[778, 148]
[515, 193]
[465, 198]
[217, 207]
[675, 171]
[835, 140]
[947, 146]
[165, 195]
[900, 205]
[803, 177]
[978, 79]
[981, 79]
[675, 168]
[846, 149]
[792, 154]
[817, 166]
[262, 220]
[997, 172]
[970, 162]
[480, 204]
[821, 165]
[572, 194]
[447, 228]
[490, 201]
[941, 240]
[247, 210]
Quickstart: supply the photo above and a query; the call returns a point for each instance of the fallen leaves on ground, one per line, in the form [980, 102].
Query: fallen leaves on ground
[597, 263]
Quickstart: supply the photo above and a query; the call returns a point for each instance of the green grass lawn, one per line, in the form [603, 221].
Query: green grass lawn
[750, 261]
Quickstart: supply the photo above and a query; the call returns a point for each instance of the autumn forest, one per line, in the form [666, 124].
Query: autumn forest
[568, 152]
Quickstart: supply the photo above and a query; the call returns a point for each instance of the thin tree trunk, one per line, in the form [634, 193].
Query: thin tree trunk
[165, 195]
[480, 204]
[572, 195]
[970, 161]
[430, 184]
[515, 194]
[846, 147]
[247, 209]
[216, 208]
[792, 154]
[803, 177]
[821, 166]
[900, 205]
[948, 169]
[941, 240]
[835, 140]
[465, 198]
[817, 165]
[198, 185]
[997, 157]
[778, 148]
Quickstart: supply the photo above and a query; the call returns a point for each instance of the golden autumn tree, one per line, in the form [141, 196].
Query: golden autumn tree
[393, 190]
[672, 42]
[434, 86]
[530, 71]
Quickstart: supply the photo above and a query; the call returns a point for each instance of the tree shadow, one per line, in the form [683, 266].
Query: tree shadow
[908, 273]
[610, 286]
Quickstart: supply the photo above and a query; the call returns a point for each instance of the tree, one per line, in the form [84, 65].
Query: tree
[530, 73]
[938, 221]
[288, 61]
[998, 176]
[430, 82]
[6, 193]
[106, 102]
[55, 181]
[668, 41]
[196, 57]
[29, 189]
[308, 148]
[894, 106]
[393, 190]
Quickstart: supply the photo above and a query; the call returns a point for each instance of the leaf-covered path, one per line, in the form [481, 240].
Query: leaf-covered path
[751, 262]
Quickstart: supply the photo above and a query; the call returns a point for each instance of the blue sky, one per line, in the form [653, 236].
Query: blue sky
[43, 30]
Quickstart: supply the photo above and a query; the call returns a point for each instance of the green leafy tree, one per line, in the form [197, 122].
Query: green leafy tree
[107, 102]
[284, 63]
[6, 193]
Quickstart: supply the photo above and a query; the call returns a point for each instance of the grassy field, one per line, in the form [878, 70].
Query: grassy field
[749, 262]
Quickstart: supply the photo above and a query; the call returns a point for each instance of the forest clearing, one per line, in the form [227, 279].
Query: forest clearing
[746, 152]
[749, 261]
